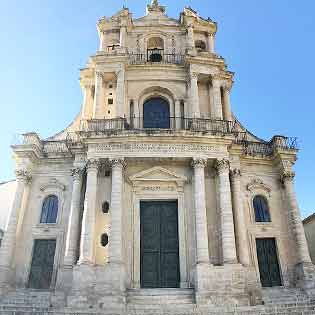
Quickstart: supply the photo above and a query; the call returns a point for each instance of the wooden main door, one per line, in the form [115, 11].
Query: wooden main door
[159, 244]
[42, 264]
[268, 262]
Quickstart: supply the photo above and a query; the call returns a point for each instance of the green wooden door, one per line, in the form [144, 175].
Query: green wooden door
[268, 262]
[42, 264]
[159, 244]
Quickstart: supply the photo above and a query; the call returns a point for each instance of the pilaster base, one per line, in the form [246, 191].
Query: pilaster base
[305, 276]
[98, 286]
[228, 285]
[6, 280]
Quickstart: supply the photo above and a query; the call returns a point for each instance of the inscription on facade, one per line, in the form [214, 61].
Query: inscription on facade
[158, 188]
[157, 148]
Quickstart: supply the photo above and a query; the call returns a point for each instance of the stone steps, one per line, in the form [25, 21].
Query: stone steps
[274, 296]
[285, 309]
[160, 296]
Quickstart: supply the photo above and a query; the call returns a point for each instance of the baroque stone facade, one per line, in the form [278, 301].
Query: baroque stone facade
[155, 191]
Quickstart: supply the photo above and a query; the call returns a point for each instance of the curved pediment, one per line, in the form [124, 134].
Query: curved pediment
[158, 174]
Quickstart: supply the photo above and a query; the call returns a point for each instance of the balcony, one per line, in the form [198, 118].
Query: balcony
[215, 127]
[155, 56]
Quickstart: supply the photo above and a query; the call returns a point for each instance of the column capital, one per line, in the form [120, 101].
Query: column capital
[23, 175]
[92, 164]
[77, 173]
[235, 173]
[228, 85]
[199, 163]
[287, 176]
[194, 75]
[117, 163]
[222, 165]
[99, 74]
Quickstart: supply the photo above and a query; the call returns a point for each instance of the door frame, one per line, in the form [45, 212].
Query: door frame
[269, 233]
[161, 201]
[171, 195]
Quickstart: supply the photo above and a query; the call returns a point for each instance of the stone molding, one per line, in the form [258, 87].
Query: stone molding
[53, 184]
[258, 184]
[117, 163]
[222, 165]
[77, 173]
[23, 175]
[287, 176]
[199, 162]
[92, 164]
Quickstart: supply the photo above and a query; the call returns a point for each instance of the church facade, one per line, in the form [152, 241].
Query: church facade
[155, 189]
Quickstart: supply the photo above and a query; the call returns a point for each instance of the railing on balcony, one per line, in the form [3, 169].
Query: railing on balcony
[265, 148]
[155, 57]
[159, 124]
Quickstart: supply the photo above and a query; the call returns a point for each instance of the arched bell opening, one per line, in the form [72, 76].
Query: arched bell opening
[156, 114]
[155, 49]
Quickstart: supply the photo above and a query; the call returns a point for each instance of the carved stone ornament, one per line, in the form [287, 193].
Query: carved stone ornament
[235, 173]
[287, 176]
[118, 162]
[77, 173]
[256, 184]
[198, 162]
[54, 184]
[23, 175]
[92, 164]
[222, 165]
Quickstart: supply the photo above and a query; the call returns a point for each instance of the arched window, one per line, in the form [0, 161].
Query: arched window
[200, 45]
[261, 208]
[156, 113]
[49, 210]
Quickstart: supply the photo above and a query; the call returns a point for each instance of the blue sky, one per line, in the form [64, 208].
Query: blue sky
[268, 44]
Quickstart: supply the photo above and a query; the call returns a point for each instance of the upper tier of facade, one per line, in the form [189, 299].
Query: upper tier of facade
[158, 75]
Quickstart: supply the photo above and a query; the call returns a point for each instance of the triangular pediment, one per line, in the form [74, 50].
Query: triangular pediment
[157, 173]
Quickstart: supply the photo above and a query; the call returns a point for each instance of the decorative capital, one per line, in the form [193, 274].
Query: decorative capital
[77, 173]
[199, 162]
[222, 165]
[228, 85]
[235, 173]
[92, 164]
[194, 75]
[287, 176]
[23, 175]
[99, 74]
[117, 163]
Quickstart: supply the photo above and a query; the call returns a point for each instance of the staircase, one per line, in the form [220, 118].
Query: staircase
[280, 295]
[160, 296]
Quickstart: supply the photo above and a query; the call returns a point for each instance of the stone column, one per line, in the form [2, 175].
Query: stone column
[8, 244]
[226, 214]
[200, 211]
[227, 114]
[120, 93]
[210, 40]
[88, 220]
[116, 210]
[123, 36]
[239, 216]
[177, 119]
[216, 99]
[190, 37]
[295, 220]
[194, 95]
[98, 101]
[86, 98]
[74, 218]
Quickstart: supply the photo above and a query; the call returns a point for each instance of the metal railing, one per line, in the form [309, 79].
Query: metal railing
[265, 148]
[158, 58]
[159, 124]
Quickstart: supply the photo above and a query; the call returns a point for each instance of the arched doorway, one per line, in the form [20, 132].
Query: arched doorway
[156, 113]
